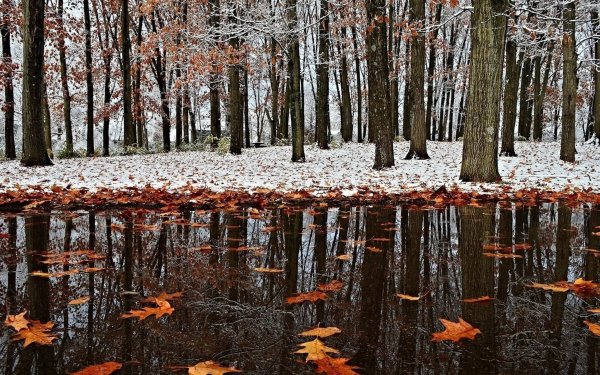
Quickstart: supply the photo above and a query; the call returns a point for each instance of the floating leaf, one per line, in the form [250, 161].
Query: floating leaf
[594, 311]
[456, 331]
[332, 286]
[476, 300]
[559, 286]
[106, 368]
[315, 349]
[35, 333]
[344, 257]
[313, 296]
[500, 255]
[522, 246]
[268, 270]
[585, 288]
[409, 297]
[321, 332]
[335, 366]
[164, 297]
[17, 322]
[162, 308]
[80, 300]
[594, 328]
[210, 368]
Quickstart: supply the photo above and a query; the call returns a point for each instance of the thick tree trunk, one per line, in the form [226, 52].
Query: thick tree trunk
[34, 148]
[537, 99]
[511, 91]
[296, 106]
[524, 98]
[236, 114]
[106, 116]
[408, 98]
[480, 147]
[138, 111]
[274, 93]
[418, 126]
[129, 138]
[215, 103]
[567, 143]
[346, 104]
[9, 96]
[89, 119]
[379, 93]
[431, 69]
[322, 119]
[65, 82]
[596, 75]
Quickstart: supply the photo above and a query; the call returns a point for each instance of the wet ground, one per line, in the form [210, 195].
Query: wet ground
[237, 268]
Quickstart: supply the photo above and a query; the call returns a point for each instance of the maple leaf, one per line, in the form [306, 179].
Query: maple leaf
[80, 300]
[585, 288]
[335, 366]
[559, 286]
[332, 286]
[36, 333]
[18, 322]
[210, 368]
[164, 297]
[315, 349]
[106, 368]
[321, 332]
[313, 297]
[162, 308]
[455, 331]
[594, 328]
[476, 300]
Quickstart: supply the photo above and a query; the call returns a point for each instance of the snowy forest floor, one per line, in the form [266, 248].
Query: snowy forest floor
[347, 168]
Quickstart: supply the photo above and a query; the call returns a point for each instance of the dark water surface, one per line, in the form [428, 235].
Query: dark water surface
[232, 314]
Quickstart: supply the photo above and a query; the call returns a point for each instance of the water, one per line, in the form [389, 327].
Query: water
[236, 316]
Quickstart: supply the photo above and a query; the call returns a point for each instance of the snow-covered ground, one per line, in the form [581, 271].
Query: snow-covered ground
[348, 167]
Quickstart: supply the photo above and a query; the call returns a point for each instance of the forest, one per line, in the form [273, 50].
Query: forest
[337, 187]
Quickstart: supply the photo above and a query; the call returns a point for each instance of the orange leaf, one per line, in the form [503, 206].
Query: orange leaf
[595, 328]
[106, 368]
[455, 331]
[344, 257]
[522, 246]
[315, 349]
[80, 300]
[594, 311]
[560, 287]
[585, 288]
[210, 368]
[268, 270]
[162, 308]
[313, 297]
[480, 299]
[36, 333]
[321, 332]
[408, 297]
[18, 322]
[332, 286]
[335, 366]
[508, 256]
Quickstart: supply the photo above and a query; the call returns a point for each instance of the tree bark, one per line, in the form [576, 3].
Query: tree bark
[524, 99]
[296, 107]
[235, 98]
[9, 95]
[322, 120]
[47, 122]
[358, 85]
[346, 103]
[408, 97]
[65, 82]
[431, 69]
[596, 74]
[129, 138]
[274, 93]
[34, 148]
[511, 91]
[480, 147]
[567, 143]
[88, 79]
[418, 126]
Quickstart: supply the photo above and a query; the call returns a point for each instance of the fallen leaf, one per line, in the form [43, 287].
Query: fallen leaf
[321, 332]
[210, 368]
[500, 255]
[522, 246]
[313, 296]
[164, 297]
[408, 297]
[17, 322]
[585, 288]
[594, 311]
[315, 349]
[80, 300]
[559, 286]
[335, 366]
[476, 300]
[332, 286]
[456, 331]
[268, 270]
[106, 368]
[344, 257]
[162, 308]
[35, 333]
[595, 328]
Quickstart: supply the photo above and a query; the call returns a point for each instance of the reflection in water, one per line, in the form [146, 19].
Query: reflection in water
[237, 316]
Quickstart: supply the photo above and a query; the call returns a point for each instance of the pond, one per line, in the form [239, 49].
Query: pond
[236, 279]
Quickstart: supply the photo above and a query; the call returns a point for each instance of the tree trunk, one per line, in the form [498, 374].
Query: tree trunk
[235, 99]
[358, 85]
[418, 126]
[178, 114]
[322, 123]
[129, 138]
[65, 82]
[296, 107]
[430, 66]
[596, 74]
[511, 91]
[537, 99]
[346, 102]
[47, 122]
[524, 98]
[246, 106]
[567, 142]
[187, 132]
[9, 96]
[89, 119]
[215, 103]
[408, 97]
[274, 93]
[138, 111]
[106, 116]
[480, 147]
[379, 93]
[34, 148]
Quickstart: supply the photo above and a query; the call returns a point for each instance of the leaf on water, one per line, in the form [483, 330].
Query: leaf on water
[476, 300]
[585, 288]
[344, 257]
[80, 300]
[374, 249]
[522, 246]
[268, 270]
[594, 328]
[164, 297]
[594, 311]
[106, 368]
[409, 297]
[162, 308]
[316, 350]
[335, 366]
[313, 297]
[35, 333]
[500, 255]
[55, 274]
[210, 368]
[321, 332]
[493, 247]
[332, 286]
[94, 269]
[559, 286]
[455, 331]
[17, 322]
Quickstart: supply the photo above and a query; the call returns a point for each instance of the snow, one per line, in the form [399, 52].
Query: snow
[347, 168]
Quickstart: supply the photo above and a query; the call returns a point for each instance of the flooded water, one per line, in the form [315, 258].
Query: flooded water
[237, 268]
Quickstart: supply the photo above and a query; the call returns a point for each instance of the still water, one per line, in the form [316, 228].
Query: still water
[236, 268]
